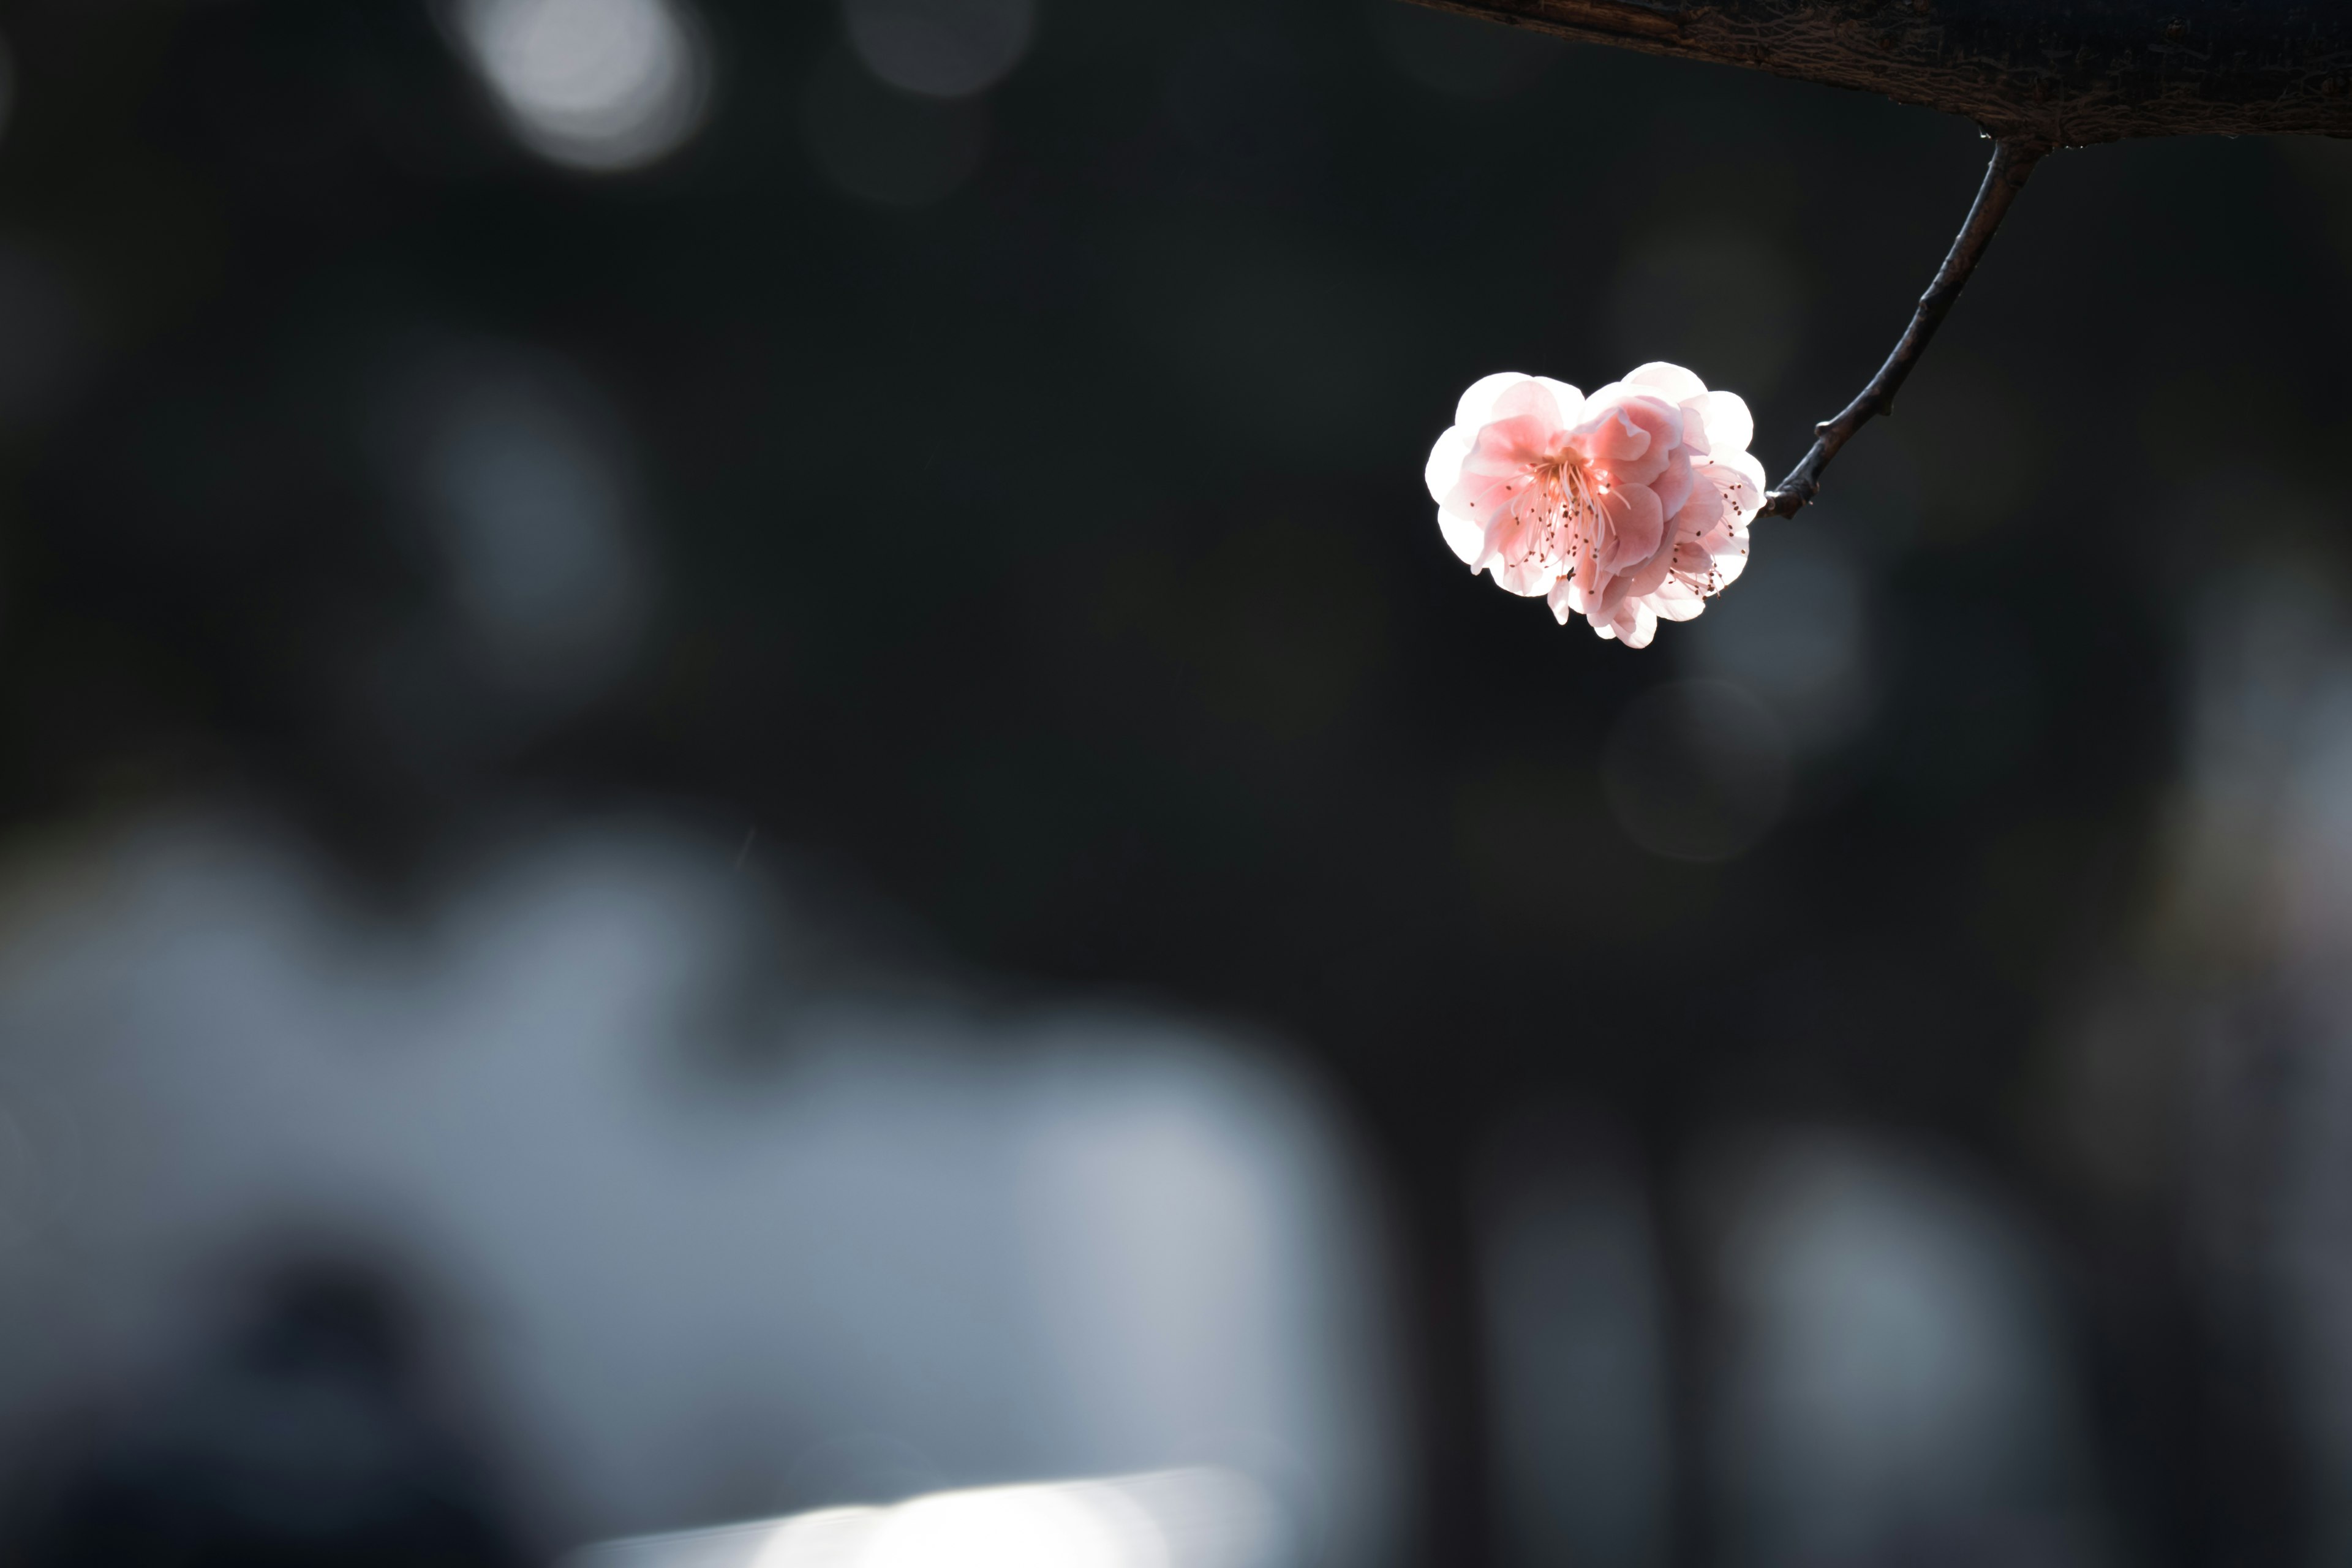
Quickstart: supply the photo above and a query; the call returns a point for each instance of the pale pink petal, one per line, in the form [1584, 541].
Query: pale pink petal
[1570, 401]
[1611, 599]
[1512, 443]
[1740, 479]
[1643, 626]
[1586, 571]
[1567, 599]
[1729, 426]
[1646, 577]
[1529, 576]
[1675, 486]
[1467, 540]
[1702, 515]
[1611, 436]
[1730, 563]
[1662, 419]
[1477, 405]
[1632, 523]
[1444, 467]
[1686, 605]
[1529, 402]
[1609, 395]
[1632, 441]
[1671, 381]
[1749, 469]
[1481, 499]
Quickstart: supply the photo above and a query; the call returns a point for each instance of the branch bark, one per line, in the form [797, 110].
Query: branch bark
[2012, 162]
[2051, 73]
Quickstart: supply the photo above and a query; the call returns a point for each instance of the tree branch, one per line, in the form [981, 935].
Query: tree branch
[2004, 177]
[2049, 74]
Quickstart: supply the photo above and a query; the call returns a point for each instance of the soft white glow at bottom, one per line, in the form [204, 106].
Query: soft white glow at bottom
[1016, 1527]
[1172, 1518]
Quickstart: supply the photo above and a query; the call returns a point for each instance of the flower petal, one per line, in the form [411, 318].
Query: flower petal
[1512, 445]
[1477, 405]
[1534, 402]
[1467, 540]
[1687, 606]
[1729, 426]
[1729, 563]
[1677, 484]
[1671, 381]
[1570, 401]
[1565, 600]
[1740, 478]
[1632, 525]
[1530, 576]
[1443, 470]
[1646, 578]
[1631, 439]
[1480, 498]
[1702, 509]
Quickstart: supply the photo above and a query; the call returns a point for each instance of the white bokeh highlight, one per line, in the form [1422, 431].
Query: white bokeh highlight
[602, 85]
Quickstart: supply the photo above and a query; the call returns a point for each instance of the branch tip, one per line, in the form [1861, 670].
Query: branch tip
[2012, 162]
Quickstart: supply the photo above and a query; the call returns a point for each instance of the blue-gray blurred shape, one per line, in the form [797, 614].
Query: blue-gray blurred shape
[1895, 1383]
[704, 1231]
[1575, 1344]
[1207, 1517]
[516, 483]
[2230, 1074]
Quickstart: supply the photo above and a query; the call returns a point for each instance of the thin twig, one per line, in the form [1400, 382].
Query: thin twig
[2004, 177]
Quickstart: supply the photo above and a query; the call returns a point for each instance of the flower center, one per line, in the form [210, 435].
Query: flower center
[1565, 480]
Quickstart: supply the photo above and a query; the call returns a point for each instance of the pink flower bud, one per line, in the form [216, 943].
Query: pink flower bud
[1628, 507]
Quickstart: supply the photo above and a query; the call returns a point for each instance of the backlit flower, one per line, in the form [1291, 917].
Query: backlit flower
[1628, 507]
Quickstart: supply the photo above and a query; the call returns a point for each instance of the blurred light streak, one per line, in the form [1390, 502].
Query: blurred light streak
[595, 85]
[1202, 1518]
[941, 48]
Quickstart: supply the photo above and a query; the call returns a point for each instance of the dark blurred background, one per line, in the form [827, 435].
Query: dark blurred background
[1862, 1082]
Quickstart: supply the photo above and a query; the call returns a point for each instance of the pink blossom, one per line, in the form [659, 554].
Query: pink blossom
[1628, 507]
